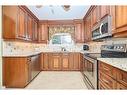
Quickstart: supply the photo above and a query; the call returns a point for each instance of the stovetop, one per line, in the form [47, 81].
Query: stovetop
[106, 55]
[93, 55]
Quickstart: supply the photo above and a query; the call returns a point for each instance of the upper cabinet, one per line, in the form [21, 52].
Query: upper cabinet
[18, 23]
[21, 32]
[35, 31]
[29, 27]
[95, 15]
[79, 31]
[9, 21]
[87, 28]
[43, 32]
[104, 10]
[120, 20]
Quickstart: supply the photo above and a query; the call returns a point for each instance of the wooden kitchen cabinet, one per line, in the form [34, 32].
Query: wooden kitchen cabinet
[74, 61]
[15, 72]
[87, 26]
[104, 11]
[18, 23]
[65, 61]
[79, 31]
[60, 61]
[120, 19]
[121, 86]
[22, 24]
[29, 27]
[111, 77]
[95, 15]
[35, 31]
[9, 22]
[19, 71]
[43, 32]
[45, 61]
[56, 61]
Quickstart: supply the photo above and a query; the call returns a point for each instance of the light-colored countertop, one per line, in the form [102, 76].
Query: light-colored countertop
[120, 63]
[26, 54]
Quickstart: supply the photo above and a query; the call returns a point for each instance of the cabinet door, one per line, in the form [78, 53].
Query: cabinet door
[78, 33]
[107, 81]
[122, 77]
[121, 87]
[43, 33]
[88, 29]
[65, 61]
[121, 16]
[95, 15]
[35, 31]
[104, 10]
[120, 20]
[22, 24]
[29, 27]
[9, 21]
[56, 61]
[15, 72]
[76, 63]
[46, 61]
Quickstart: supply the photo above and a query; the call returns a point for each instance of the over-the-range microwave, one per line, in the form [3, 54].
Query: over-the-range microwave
[102, 29]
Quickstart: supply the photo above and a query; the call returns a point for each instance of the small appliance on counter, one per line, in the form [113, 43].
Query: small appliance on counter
[85, 47]
[90, 69]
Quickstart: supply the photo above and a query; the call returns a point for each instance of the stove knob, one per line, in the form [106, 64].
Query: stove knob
[118, 47]
[121, 47]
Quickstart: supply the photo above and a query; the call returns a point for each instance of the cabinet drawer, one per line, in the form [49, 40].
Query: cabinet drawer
[107, 81]
[107, 69]
[122, 77]
[102, 86]
[120, 86]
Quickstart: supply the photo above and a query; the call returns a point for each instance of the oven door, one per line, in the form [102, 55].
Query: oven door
[90, 71]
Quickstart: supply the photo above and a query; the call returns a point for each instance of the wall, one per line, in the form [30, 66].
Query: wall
[0, 47]
[13, 47]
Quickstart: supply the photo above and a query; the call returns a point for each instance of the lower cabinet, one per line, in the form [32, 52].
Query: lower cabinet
[55, 61]
[19, 71]
[60, 61]
[65, 61]
[111, 77]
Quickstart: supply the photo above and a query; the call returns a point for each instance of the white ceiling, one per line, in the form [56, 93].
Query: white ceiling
[45, 12]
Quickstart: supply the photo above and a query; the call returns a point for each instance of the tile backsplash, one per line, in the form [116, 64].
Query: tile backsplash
[16, 47]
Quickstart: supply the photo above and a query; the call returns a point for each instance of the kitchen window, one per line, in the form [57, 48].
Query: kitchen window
[61, 38]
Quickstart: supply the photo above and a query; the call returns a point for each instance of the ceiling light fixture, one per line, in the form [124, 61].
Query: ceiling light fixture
[39, 6]
[66, 7]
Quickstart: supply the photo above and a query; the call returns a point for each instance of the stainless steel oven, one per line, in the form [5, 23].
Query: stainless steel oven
[102, 29]
[90, 72]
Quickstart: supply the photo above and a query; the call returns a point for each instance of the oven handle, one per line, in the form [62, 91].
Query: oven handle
[101, 27]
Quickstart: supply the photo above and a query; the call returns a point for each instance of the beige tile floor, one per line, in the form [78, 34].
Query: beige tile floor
[58, 80]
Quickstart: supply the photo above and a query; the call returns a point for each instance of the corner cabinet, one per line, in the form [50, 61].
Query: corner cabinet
[19, 71]
[60, 61]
